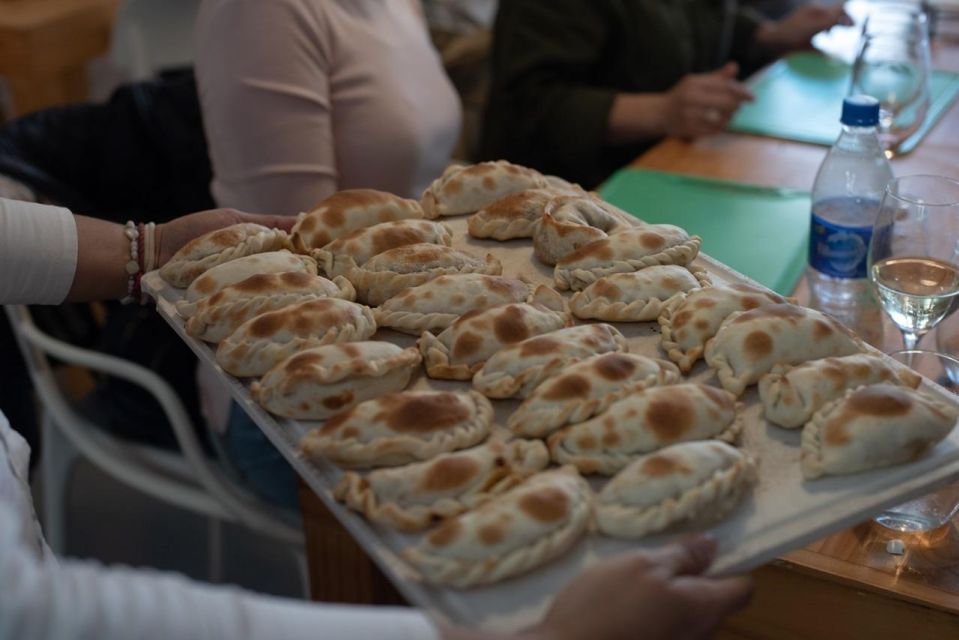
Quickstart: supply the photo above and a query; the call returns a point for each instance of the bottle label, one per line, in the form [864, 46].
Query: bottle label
[837, 250]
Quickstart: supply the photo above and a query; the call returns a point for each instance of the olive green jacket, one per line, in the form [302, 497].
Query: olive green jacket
[558, 64]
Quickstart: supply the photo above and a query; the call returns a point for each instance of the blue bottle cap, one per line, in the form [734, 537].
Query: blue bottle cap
[860, 111]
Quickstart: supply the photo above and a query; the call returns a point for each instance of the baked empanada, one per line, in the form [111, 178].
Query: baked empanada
[871, 427]
[259, 344]
[469, 188]
[461, 349]
[513, 216]
[345, 212]
[628, 250]
[318, 383]
[645, 421]
[400, 428]
[436, 304]
[687, 324]
[686, 481]
[514, 371]
[386, 274]
[517, 531]
[570, 222]
[356, 248]
[791, 395]
[636, 296]
[417, 495]
[585, 388]
[217, 247]
[217, 316]
[750, 343]
[238, 270]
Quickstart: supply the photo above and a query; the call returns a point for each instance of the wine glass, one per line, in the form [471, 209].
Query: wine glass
[947, 342]
[913, 255]
[935, 509]
[893, 65]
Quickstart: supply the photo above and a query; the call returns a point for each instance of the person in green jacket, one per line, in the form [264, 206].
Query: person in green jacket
[580, 88]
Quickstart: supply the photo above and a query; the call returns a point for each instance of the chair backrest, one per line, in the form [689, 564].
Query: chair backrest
[205, 489]
[150, 36]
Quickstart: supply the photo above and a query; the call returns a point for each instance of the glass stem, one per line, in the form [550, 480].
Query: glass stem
[910, 339]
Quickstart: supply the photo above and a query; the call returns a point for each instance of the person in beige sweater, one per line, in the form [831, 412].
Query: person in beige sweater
[302, 98]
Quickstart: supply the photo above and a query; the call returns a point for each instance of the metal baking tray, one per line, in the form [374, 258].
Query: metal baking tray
[780, 514]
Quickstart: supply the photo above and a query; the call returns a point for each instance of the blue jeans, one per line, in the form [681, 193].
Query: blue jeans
[259, 466]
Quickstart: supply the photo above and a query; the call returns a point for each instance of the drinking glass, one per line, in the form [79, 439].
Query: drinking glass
[933, 510]
[947, 342]
[893, 65]
[913, 255]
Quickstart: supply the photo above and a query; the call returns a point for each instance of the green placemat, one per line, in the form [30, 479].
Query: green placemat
[800, 98]
[759, 231]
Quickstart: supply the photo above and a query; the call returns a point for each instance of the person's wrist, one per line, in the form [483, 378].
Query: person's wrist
[659, 122]
[768, 37]
[773, 39]
[163, 255]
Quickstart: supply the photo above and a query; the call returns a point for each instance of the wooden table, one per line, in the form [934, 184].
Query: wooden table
[45, 46]
[845, 586]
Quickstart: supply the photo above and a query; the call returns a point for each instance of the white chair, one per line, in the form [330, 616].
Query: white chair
[188, 480]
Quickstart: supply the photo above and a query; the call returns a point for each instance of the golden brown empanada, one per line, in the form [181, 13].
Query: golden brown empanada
[636, 296]
[317, 383]
[469, 188]
[345, 212]
[216, 317]
[419, 494]
[259, 344]
[750, 343]
[238, 270]
[514, 371]
[217, 247]
[791, 395]
[871, 427]
[515, 215]
[688, 323]
[356, 248]
[460, 350]
[400, 428]
[569, 222]
[628, 250]
[517, 531]
[687, 481]
[387, 274]
[644, 421]
[436, 304]
[585, 388]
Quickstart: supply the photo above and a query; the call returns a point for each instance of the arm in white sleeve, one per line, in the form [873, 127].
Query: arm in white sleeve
[38, 252]
[41, 599]
[263, 78]
[46, 600]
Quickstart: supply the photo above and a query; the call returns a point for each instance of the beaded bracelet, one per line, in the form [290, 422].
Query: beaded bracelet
[143, 258]
[148, 255]
[133, 264]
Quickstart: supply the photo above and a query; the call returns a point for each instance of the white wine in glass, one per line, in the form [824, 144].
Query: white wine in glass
[914, 255]
[916, 292]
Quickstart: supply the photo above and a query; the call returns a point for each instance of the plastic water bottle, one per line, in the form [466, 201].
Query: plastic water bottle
[845, 200]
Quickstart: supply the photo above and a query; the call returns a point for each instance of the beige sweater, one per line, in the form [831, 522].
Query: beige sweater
[302, 98]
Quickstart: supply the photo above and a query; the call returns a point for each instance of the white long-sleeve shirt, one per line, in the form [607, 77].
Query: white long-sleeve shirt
[42, 598]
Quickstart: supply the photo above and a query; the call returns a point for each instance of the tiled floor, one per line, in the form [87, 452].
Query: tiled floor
[112, 523]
